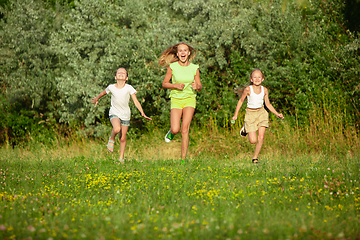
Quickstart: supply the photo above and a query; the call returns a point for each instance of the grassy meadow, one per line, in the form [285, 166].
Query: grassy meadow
[306, 187]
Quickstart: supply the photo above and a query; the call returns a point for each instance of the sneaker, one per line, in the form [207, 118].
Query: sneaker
[255, 160]
[169, 136]
[243, 133]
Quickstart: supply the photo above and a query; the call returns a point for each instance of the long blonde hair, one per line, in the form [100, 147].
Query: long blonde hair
[170, 54]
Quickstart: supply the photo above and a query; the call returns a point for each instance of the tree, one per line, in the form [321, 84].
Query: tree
[28, 64]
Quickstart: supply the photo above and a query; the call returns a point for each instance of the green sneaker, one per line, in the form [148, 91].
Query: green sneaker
[169, 136]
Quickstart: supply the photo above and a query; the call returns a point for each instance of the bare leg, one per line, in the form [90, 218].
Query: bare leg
[115, 122]
[175, 120]
[252, 137]
[122, 138]
[188, 113]
[260, 142]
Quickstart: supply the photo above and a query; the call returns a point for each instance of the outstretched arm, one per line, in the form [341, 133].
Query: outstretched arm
[240, 102]
[269, 106]
[96, 99]
[138, 105]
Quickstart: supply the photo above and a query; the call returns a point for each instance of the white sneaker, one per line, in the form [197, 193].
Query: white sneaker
[243, 133]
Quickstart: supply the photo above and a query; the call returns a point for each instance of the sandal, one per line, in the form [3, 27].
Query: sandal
[255, 160]
[121, 161]
[109, 147]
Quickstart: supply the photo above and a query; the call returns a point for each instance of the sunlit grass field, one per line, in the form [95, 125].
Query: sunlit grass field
[302, 189]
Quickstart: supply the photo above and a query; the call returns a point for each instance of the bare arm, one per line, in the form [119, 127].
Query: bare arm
[197, 84]
[166, 83]
[240, 102]
[96, 99]
[269, 106]
[138, 106]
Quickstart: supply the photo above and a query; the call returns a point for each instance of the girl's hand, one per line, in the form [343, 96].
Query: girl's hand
[146, 116]
[179, 86]
[94, 100]
[280, 116]
[194, 86]
[234, 118]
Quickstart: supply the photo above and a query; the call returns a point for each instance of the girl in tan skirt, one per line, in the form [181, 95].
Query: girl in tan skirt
[256, 117]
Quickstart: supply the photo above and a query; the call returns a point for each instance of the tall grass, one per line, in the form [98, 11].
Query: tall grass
[307, 186]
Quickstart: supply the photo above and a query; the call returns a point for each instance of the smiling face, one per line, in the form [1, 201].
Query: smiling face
[257, 78]
[183, 53]
[121, 74]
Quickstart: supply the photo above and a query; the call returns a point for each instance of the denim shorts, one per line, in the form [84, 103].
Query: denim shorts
[125, 123]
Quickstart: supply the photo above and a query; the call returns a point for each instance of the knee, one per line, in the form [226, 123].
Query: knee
[184, 131]
[116, 130]
[123, 139]
[175, 130]
[253, 140]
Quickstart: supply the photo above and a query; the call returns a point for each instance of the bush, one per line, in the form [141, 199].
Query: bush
[72, 54]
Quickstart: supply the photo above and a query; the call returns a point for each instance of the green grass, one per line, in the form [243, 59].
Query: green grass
[80, 192]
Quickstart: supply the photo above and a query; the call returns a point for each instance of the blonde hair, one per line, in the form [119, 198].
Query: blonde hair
[239, 90]
[255, 70]
[170, 54]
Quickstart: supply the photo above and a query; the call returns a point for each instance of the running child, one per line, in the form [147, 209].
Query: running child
[185, 82]
[119, 113]
[256, 117]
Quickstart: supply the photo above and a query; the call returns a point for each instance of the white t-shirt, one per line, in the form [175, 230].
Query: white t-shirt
[120, 100]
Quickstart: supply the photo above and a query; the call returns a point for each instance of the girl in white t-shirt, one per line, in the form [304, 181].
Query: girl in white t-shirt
[119, 113]
[256, 117]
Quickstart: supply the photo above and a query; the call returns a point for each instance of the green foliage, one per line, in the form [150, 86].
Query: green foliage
[28, 64]
[58, 58]
[97, 39]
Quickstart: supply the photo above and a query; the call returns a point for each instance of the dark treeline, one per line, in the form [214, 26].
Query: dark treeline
[57, 55]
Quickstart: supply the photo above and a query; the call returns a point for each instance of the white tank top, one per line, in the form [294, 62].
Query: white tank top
[255, 100]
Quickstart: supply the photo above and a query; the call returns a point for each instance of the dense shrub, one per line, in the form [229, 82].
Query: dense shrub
[59, 59]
